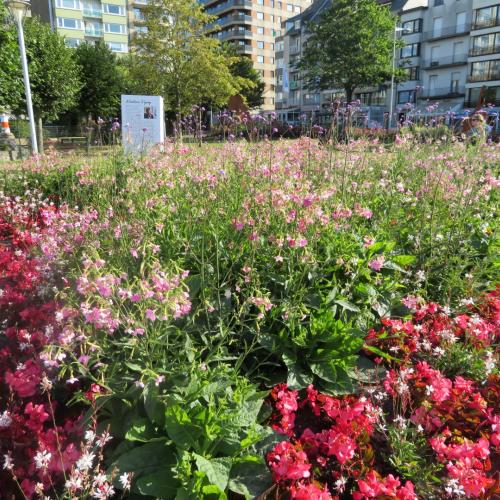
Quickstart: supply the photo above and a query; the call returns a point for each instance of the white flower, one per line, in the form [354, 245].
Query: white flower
[74, 483]
[45, 384]
[7, 462]
[104, 439]
[89, 436]
[100, 480]
[340, 484]
[42, 459]
[438, 351]
[429, 390]
[85, 461]
[400, 422]
[5, 419]
[125, 481]
[105, 491]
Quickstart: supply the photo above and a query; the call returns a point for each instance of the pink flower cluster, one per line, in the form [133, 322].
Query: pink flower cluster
[329, 442]
[37, 445]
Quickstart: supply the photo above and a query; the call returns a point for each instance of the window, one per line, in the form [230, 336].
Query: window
[437, 27]
[118, 47]
[485, 44]
[271, 46]
[260, 30]
[68, 23]
[72, 42]
[455, 82]
[115, 28]
[141, 29]
[289, 7]
[260, 2]
[433, 81]
[412, 72]
[260, 16]
[271, 18]
[260, 59]
[486, 17]
[435, 55]
[138, 15]
[458, 52]
[117, 10]
[297, 9]
[410, 50]
[490, 95]
[69, 4]
[485, 71]
[379, 98]
[406, 96]
[460, 22]
[260, 45]
[271, 60]
[297, 24]
[414, 26]
[438, 2]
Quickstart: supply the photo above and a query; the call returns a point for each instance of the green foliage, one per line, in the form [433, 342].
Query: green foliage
[203, 430]
[11, 88]
[327, 64]
[252, 86]
[176, 60]
[103, 80]
[413, 459]
[54, 73]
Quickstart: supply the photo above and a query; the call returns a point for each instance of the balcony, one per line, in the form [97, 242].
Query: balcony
[311, 101]
[294, 85]
[485, 77]
[480, 24]
[230, 4]
[93, 32]
[234, 18]
[141, 2]
[449, 32]
[243, 49]
[294, 49]
[92, 13]
[443, 92]
[484, 51]
[445, 62]
[473, 104]
[226, 35]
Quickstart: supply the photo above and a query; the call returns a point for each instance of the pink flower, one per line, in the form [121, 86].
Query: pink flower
[377, 263]
[288, 463]
[150, 314]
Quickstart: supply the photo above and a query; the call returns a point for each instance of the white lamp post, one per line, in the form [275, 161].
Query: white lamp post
[18, 10]
[391, 104]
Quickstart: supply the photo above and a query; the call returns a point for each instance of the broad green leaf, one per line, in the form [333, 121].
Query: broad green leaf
[250, 479]
[348, 305]
[403, 260]
[145, 459]
[180, 429]
[155, 408]
[298, 377]
[216, 469]
[141, 430]
[159, 484]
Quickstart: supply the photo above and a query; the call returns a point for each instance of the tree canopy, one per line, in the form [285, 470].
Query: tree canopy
[252, 86]
[103, 78]
[350, 46]
[174, 57]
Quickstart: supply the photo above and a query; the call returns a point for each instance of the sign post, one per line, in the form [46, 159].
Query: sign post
[143, 123]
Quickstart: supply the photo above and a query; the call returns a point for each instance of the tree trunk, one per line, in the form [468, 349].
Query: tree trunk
[349, 91]
[39, 133]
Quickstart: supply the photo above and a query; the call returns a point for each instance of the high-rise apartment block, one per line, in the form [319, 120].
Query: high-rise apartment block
[451, 56]
[113, 21]
[253, 25]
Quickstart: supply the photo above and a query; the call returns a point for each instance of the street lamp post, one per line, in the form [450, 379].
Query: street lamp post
[18, 10]
[391, 104]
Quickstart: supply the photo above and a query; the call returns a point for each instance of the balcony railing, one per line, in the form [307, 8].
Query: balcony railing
[455, 60]
[92, 13]
[485, 77]
[449, 32]
[480, 24]
[294, 85]
[443, 92]
[93, 32]
[235, 18]
[312, 100]
[223, 35]
[141, 2]
[473, 104]
[230, 4]
[484, 51]
[294, 49]
[243, 49]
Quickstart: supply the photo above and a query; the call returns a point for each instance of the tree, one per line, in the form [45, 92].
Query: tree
[103, 80]
[350, 46]
[11, 77]
[54, 73]
[175, 59]
[252, 86]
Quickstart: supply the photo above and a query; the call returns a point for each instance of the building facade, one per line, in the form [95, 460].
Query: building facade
[113, 21]
[253, 25]
[451, 56]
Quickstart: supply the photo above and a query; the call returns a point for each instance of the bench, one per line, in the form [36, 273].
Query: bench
[72, 140]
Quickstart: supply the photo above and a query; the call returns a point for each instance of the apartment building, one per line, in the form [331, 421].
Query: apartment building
[253, 25]
[113, 21]
[452, 51]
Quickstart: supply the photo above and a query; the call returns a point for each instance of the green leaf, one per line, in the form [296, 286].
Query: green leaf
[216, 469]
[155, 408]
[403, 260]
[380, 353]
[141, 430]
[325, 371]
[250, 479]
[348, 305]
[298, 377]
[159, 484]
[180, 429]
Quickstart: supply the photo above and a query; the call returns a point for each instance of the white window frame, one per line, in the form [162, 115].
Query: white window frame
[78, 3]
[124, 47]
[123, 28]
[77, 40]
[105, 9]
[60, 23]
